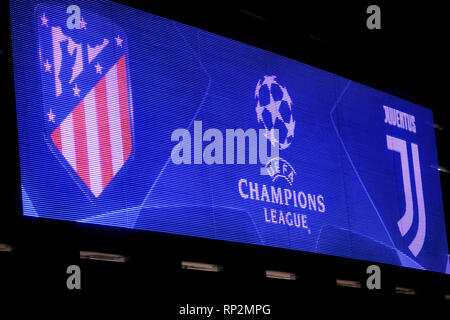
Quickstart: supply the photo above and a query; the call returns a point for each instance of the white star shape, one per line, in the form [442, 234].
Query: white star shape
[259, 111]
[98, 68]
[47, 66]
[118, 41]
[270, 134]
[269, 80]
[290, 127]
[83, 23]
[76, 91]
[51, 116]
[44, 20]
[274, 109]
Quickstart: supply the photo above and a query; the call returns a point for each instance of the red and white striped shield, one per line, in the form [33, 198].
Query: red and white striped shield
[95, 137]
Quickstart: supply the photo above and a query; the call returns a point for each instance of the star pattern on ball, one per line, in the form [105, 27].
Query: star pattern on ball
[280, 121]
[274, 109]
[290, 128]
[259, 111]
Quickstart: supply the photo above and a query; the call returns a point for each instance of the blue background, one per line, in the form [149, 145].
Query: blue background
[179, 74]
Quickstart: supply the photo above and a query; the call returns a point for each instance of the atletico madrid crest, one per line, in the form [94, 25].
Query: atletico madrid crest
[86, 94]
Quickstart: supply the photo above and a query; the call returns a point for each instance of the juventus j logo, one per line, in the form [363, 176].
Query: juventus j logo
[405, 222]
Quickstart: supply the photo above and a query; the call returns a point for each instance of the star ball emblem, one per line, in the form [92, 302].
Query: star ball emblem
[274, 111]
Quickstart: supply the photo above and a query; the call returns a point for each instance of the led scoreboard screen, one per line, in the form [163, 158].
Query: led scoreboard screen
[131, 120]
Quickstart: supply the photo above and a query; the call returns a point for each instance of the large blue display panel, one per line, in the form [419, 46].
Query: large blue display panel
[128, 119]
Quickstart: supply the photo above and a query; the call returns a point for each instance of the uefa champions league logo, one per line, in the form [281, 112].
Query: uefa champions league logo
[274, 112]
